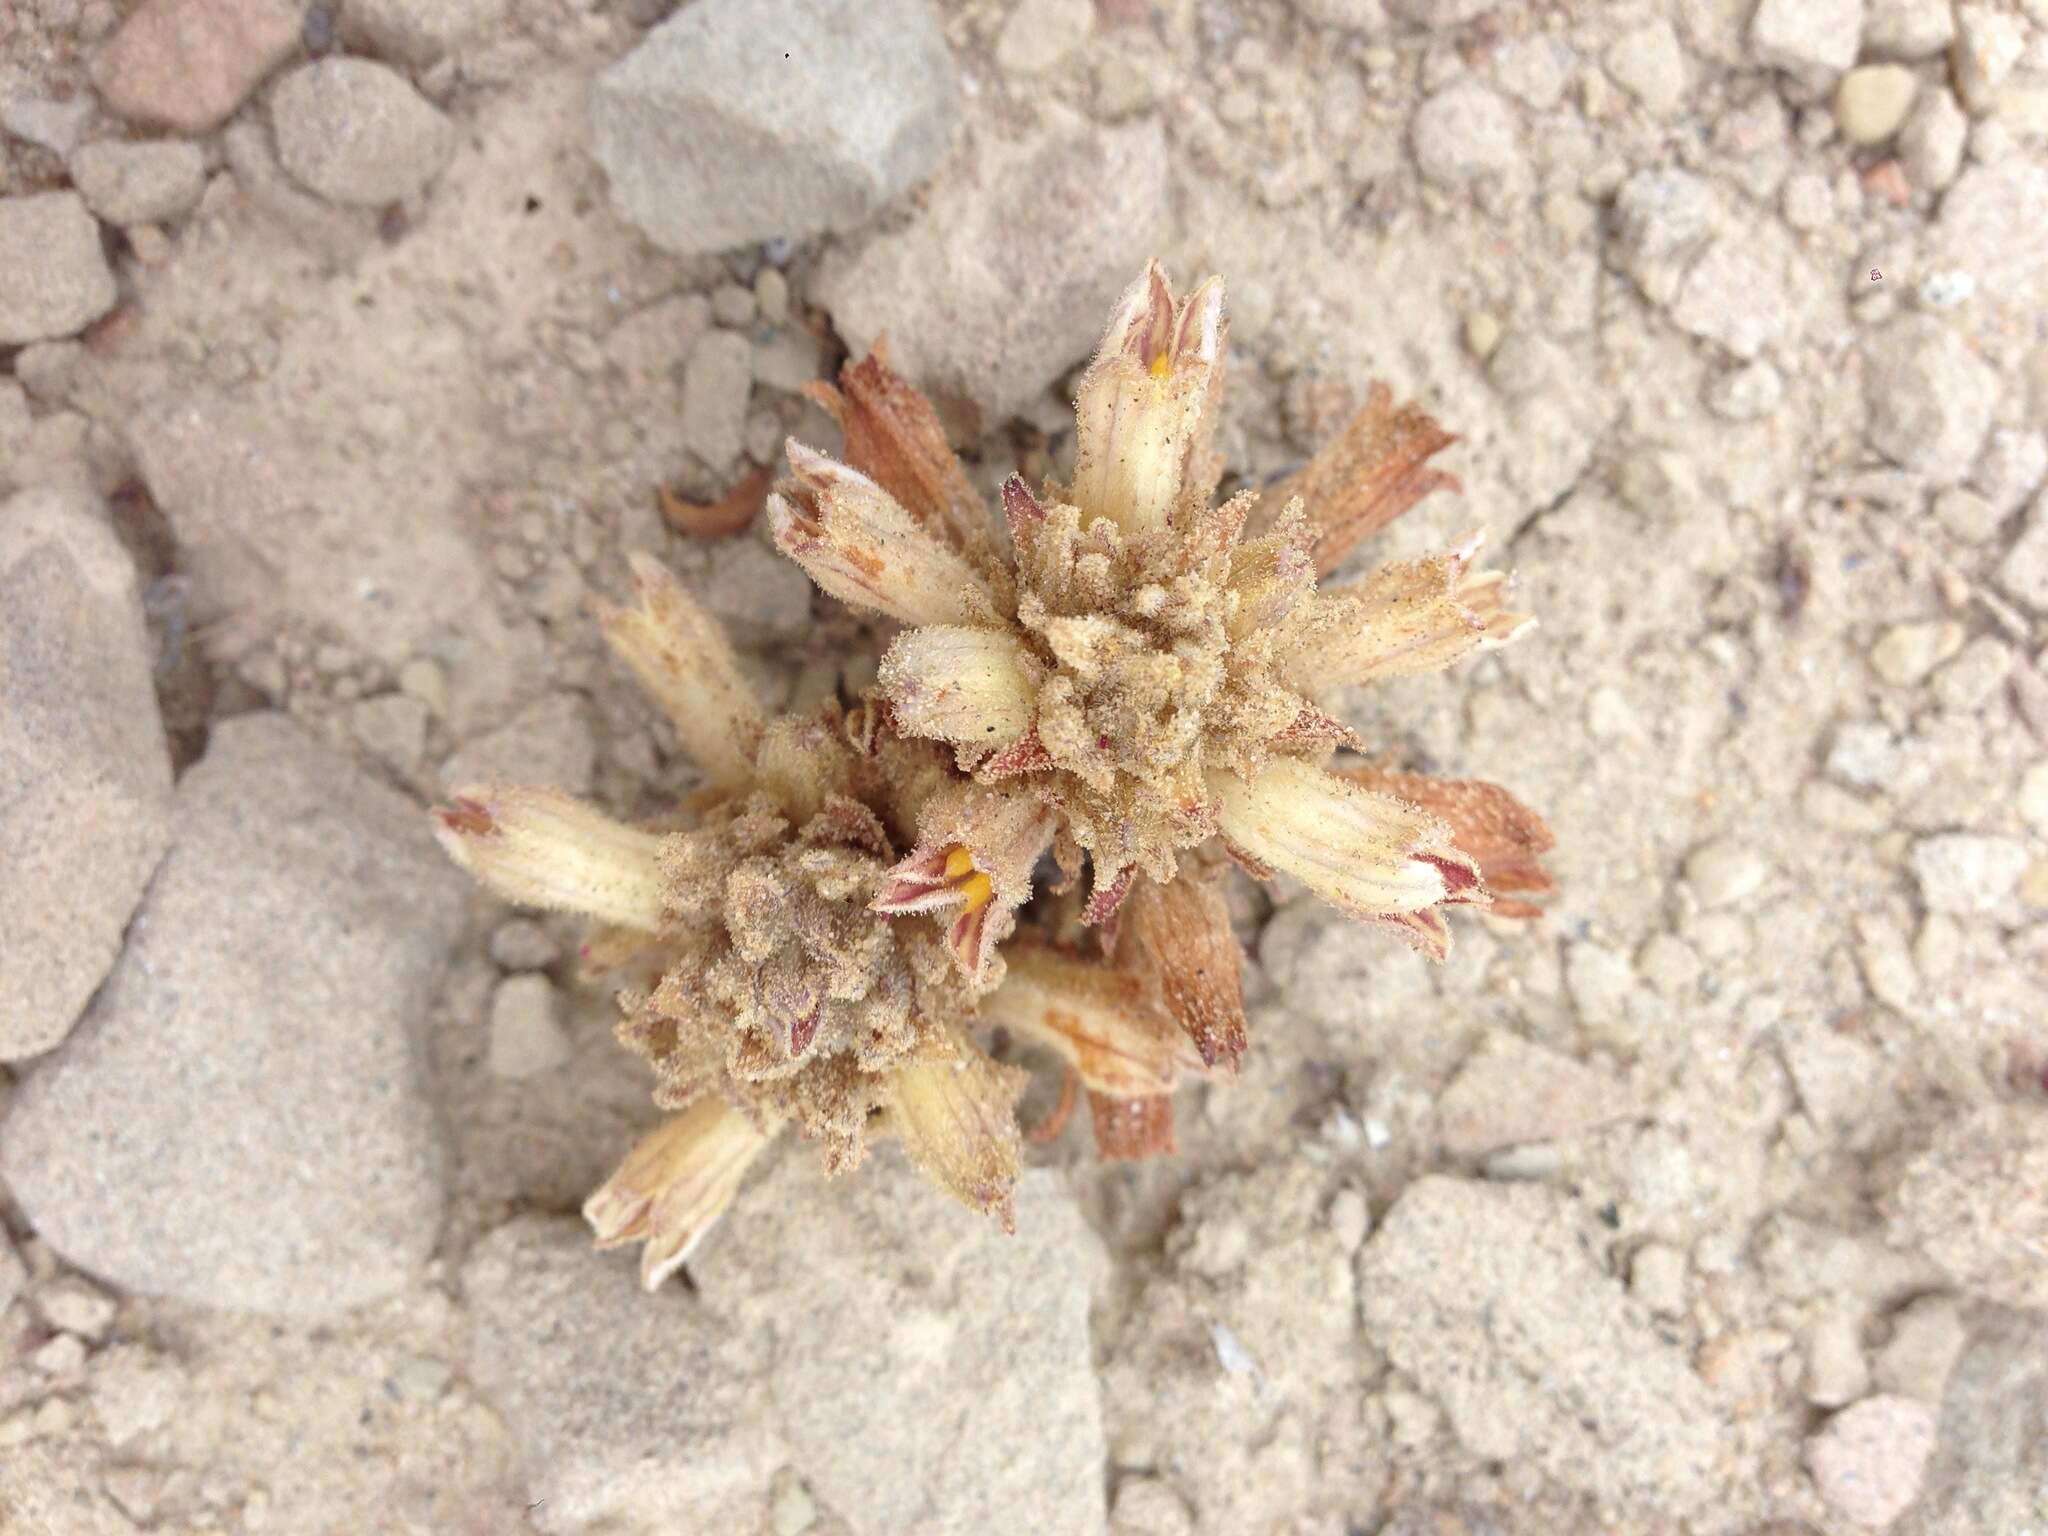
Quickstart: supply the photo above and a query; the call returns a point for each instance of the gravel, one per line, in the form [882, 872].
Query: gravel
[1868, 1461]
[715, 387]
[1511, 1092]
[418, 32]
[85, 780]
[1806, 36]
[1930, 396]
[357, 133]
[744, 120]
[526, 1028]
[1975, 1201]
[146, 182]
[187, 65]
[1964, 873]
[2024, 571]
[1463, 132]
[1872, 101]
[58, 281]
[248, 1080]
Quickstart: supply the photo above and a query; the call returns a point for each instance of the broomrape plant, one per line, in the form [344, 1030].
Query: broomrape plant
[1136, 683]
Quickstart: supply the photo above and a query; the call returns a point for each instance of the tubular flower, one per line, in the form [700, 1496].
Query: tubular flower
[1155, 667]
[766, 989]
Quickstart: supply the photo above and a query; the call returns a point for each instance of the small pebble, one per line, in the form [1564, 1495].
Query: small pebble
[1872, 101]
[1964, 873]
[1656, 1278]
[63, 1355]
[526, 1034]
[522, 944]
[1868, 1460]
[76, 1305]
[1906, 653]
[1481, 333]
[1725, 872]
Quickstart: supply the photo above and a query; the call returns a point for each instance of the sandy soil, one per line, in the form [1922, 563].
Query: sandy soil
[1712, 1202]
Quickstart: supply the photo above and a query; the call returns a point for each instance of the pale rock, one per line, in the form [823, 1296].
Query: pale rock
[85, 777]
[1487, 1297]
[1928, 1337]
[743, 120]
[1668, 964]
[1600, 981]
[1662, 220]
[134, 1390]
[2032, 803]
[1734, 295]
[1838, 1077]
[392, 729]
[1660, 483]
[61, 1355]
[1807, 36]
[357, 133]
[1932, 142]
[1510, 1091]
[13, 1273]
[1907, 29]
[600, 1383]
[715, 384]
[1725, 872]
[788, 360]
[1989, 42]
[526, 1028]
[760, 596]
[1649, 64]
[1937, 947]
[1906, 654]
[1971, 518]
[1987, 224]
[1333, 969]
[1026, 297]
[1657, 1277]
[2011, 468]
[970, 1392]
[1962, 873]
[548, 743]
[1525, 364]
[151, 182]
[1836, 1372]
[1976, 676]
[1868, 1460]
[418, 32]
[1802, 1260]
[57, 281]
[1989, 1472]
[1864, 754]
[1887, 964]
[2024, 571]
[16, 426]
[1930, 398]
[657, 339]
[771, 295]
[1040, 34]
[1746, 393]
[732, 305]
[73, 1304]
[1872, 101]
[187, 65]
[1147, 1506]
[210, 1132]
[1535, 70]
[1808, 200]
[1975, 1201]
[57, 126]
[1462, 132]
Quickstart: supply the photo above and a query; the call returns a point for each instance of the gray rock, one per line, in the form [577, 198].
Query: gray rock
[1868, 1461]
[548, 743]
[1989, 43]
[1649, 64]
[139, 183]
[357, 133]
[1040, 34]
[1511, 1092]
[1485, 1295]
[1807, 35]
[54, 279]
[749, 589]
[1746, 393]
[1025, 296]
[1462, 132]
[1975, 1201]
[1931, 144]
[526, 1028]
[641, 1409]
[13, 1273]
[1662, 219]
[417, 32]
[932, 1373]
[1989, 1470]
[1907, 29]
[1725, 872]
[1987, 227]
[1930, 397]
[56, 125]
[1962, 873]
[2024, 571]
[744, 120]
[392, 729]
[85, 780]
[1734, 295]
[240, 1120]
[715, 386]
[187, 64]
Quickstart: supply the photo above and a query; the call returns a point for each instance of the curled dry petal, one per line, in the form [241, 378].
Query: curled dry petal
[1505, 837]
[957, 1118]
[895, 438]
[1178, 939]
[1131, 1130]
[542, 848]
[674, 1185]
[1369, 854]
[858, 543]
[680, 654]
[976, 851]
[719, 519]
[1368, 475]
[1407, 617]
[973, 687]
[1101, 1021]
[1147, 405]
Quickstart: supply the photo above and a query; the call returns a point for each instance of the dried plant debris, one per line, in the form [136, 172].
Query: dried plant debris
[1135, 685]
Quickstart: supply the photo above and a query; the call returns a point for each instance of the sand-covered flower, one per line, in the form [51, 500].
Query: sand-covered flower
[768, 986]
[1154, 667]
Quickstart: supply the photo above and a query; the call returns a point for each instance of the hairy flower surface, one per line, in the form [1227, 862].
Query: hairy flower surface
[772, 987]
[1147, 663]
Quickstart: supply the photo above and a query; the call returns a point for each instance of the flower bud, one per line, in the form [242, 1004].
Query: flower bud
[1100, 1020]
[973, 687]
[957, 1118]
[674, 1185]
[542, 848]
